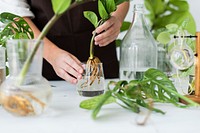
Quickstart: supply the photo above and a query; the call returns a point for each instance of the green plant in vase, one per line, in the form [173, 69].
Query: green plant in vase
[105, 8]
[27, 92]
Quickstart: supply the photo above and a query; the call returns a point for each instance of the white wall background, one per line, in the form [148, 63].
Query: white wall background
[194, 9]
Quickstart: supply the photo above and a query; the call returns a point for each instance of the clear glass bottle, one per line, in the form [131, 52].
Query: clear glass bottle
[138, 51]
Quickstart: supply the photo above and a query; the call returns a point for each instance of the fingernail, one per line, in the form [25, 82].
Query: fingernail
[79, 76]
[74, 81]
[80, 70]
[95, 43]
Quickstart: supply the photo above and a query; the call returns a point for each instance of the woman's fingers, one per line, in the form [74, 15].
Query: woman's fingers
[67, 67]
[108, 31]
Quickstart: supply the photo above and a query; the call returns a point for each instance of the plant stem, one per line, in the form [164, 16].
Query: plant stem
[92, 46]
[92, 41]
[45, 30]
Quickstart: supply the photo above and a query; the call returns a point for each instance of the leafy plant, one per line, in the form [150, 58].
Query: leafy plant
[132, 95]
[16, 28]
[164, 12]
[167, 18]
[105, 8]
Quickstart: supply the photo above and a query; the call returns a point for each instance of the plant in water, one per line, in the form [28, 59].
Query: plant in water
[132, 95]
[105, 8]
[17, 29]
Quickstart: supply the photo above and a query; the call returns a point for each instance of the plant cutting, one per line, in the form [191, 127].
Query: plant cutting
[154, 86]
[17, 99]
[105, 8]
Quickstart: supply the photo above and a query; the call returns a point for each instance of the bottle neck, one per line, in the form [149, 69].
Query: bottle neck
[138, 18]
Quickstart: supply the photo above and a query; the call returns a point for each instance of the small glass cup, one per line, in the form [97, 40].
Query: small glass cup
[92, 82]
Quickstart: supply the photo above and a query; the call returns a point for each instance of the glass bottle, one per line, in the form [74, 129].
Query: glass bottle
[32, 96]
[138, 51]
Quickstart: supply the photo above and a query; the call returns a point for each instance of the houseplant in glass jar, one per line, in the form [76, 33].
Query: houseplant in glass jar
[26, 92]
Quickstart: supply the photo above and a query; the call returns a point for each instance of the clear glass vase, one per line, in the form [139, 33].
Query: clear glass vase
[92, 83]
[33, 94]
[138, 51]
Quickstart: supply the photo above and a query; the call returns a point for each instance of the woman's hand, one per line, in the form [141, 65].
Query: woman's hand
[66, 66]
[108, 31]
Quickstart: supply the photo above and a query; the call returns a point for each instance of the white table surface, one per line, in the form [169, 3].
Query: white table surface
[65, 116]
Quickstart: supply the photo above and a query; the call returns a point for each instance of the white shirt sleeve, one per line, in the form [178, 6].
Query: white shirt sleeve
[18, 7]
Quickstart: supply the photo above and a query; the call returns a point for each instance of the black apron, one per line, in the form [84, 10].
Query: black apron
[72, 32]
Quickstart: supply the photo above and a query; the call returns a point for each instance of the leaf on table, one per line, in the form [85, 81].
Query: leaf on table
[163, 83]
[92, 102]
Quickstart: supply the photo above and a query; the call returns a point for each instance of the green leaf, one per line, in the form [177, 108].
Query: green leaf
[102, 11]
[179, 5]
[156, 7]
[125, 26]
[177, 18]
[93, 102]
[164, 37]
[166, 89]
[16, 28]
[60, 6]
[110, 6]
[118, 42]
[172, 28]
[102, 101]
[92, 17]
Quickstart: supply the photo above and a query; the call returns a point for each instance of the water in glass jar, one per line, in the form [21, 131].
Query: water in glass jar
[131, 74]
[85, 88]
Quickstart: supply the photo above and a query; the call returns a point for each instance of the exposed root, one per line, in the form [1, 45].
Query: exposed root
[20, 104]
[92, 71]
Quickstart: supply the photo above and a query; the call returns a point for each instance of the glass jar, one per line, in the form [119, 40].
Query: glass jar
[138, 51]
[92, 82]
[32, 95]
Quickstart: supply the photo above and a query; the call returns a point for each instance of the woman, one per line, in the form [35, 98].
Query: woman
[67, 43]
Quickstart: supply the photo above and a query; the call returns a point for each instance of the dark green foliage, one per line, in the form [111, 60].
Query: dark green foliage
[155, 85]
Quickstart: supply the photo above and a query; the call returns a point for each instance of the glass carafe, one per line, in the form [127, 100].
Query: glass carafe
[32, 96]
[138, 51]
